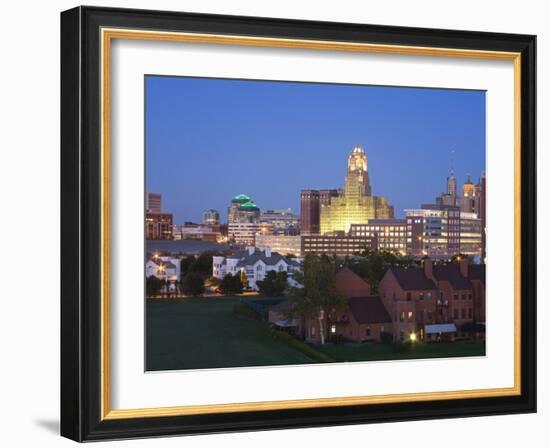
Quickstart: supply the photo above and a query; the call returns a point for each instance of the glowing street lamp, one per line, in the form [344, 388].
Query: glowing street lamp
[412, 337]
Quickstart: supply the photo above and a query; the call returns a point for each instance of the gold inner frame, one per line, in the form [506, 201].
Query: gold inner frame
[107, 35]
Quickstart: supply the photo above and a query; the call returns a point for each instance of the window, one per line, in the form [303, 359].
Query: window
[408, 296]
[333, 329]
[259, 267]
[469, 313]
[469, 296]
[463, 296]
[410, 315]
[463, 314]
[455, 314]
[421, 296]
[312, 331]
[402, 316]
[401, 336]
[455, 296]
[429, 296]
[367, 332]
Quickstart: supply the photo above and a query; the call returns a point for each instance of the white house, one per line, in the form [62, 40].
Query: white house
[164, 268]
[254, 262]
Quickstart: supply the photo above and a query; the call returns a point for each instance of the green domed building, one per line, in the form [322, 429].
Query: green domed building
[242, 209]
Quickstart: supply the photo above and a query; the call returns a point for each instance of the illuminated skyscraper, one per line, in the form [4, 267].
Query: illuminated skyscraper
[355, 205]
[242, 209]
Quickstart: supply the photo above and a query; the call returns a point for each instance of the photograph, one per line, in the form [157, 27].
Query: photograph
[295, 223]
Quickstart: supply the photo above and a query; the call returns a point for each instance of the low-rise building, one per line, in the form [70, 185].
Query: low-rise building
[283, 244]
[243, 232]
[340, 244]
[442, 232]
[255, 263]
[158, 226]
[436, 301]
[167, 269]
[283, 221]
[363, 317]
[390, 234]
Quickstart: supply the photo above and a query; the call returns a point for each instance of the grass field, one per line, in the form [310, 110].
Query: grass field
[383, 352]
[200, 333]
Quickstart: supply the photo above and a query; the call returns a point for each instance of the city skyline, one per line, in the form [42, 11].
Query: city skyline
[195, 168]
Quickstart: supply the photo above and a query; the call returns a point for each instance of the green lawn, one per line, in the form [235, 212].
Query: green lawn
[198, 333]
[382, 352]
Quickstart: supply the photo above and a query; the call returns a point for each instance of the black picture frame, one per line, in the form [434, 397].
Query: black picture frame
[81, 224]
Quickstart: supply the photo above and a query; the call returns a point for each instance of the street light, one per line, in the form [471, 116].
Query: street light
[412, 337]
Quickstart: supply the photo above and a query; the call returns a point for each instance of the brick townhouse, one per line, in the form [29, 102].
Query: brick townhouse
[362, 318]
[435, 301]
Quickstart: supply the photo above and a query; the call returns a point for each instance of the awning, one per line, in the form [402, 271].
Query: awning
[286, 323]
[439, 328]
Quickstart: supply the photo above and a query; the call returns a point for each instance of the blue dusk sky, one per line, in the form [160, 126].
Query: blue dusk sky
[208, 140]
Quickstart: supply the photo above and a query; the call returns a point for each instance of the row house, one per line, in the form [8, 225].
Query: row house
[435, 301]
[362, 318]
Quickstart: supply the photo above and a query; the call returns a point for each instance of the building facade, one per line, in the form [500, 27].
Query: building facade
[339, 243]
[309, 212]
[390, 234]
[283, 221]
[283, 244]
[435, 302]
[211, 217]
[242, 209]
[442, 231]
[243, 233]
[158, 226]
[153, 202]
[355, 205]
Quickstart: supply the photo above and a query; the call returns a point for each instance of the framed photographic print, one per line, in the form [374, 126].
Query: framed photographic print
[274, 223]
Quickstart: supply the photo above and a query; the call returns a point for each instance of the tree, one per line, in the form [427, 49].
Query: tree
[274, 284]
[186, 264]
[203, 264]
[374, 264]
[231, 284]
[152, 285]
[318, 294]
[192, 284]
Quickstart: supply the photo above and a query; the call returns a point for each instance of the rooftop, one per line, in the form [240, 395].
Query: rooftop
[412, 279]
[368, 310]
[451, 273]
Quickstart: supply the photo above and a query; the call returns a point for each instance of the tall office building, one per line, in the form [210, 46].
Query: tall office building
[355, 205]
[242, 209]
[309, 212]
[153, 202]
[443, 231]
[211, 217]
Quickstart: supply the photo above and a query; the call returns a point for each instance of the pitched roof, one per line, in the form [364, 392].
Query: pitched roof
[285, 305]
[368, 310]
[349, 284]
[412, 279]
[249, 260]
[451, 273]
[477, 272]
